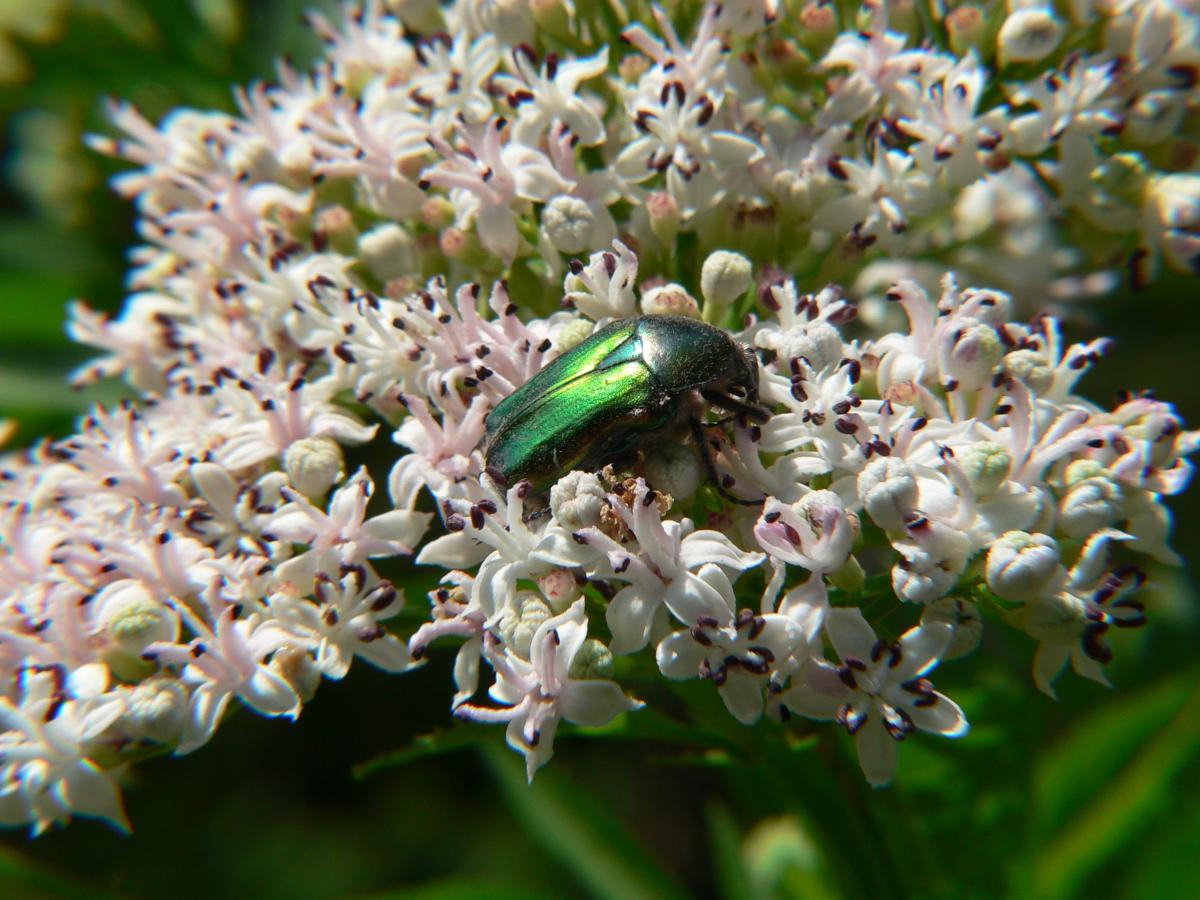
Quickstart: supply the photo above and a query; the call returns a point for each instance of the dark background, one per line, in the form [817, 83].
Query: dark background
[1096, 793]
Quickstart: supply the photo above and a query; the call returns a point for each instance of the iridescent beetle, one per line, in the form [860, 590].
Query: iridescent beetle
[633, 381]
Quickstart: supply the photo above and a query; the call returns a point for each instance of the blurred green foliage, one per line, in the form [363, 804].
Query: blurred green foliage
[1093, 795]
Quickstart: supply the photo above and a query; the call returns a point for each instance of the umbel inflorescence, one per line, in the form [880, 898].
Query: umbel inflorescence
[383, 248]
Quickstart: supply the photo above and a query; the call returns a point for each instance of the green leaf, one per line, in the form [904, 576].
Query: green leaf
[1079, 765]
[461, 889]
[733, 877]
[579, 832]
[437, 743]
[24, 878]
[1129, 803]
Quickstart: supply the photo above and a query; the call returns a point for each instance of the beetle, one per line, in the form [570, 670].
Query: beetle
[630, 382]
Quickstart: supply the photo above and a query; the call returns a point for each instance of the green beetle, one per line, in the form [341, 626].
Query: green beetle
[631, 381]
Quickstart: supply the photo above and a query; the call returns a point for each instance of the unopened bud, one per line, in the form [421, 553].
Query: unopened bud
[577, 499]
[314, 465]
[673, 469]
[1021, 566]
[888, 492]
[986, 465]
[593, 661]
[1028, 35]
[670, 299]
[569, 222]
[560, 588]
[1089, 505]
[724, 277]
[973, 352]
[664, 216]
[388, 252]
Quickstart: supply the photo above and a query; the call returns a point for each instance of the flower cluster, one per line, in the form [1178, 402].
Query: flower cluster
[375, 253]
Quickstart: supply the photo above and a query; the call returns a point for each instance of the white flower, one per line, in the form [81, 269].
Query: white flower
[879, 693]
[603, 288]
[551, 94]
[343, 536]
[344, 622]
[540, 691]
[222, 662]
[673, 567]
[738, 657]
[46, 774]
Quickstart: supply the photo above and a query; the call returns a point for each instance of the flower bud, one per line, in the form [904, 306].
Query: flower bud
[972, 354]
[336, 225]
[664, 216]
[673, 469]
[961, 615]
[794, 191]
[437, 212]
[1028, 35]
[573, 333]
[1154, 117]
[569, 222]
[724, 277]
[532, 611]
[132, 618]
[986, 465]
[388, 252]
[1088, 506]
[888, 492]
[1030, 368]
[818, 342]
[577, 499]
[593, 661]
[314, 465]
[1173, 205]
[670, 299]
[560, 588]
[1021, 566]
[966, 28]
[155, 710]
[922, 585]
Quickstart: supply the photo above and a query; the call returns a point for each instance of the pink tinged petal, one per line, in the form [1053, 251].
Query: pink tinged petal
[89, 791]
[921, 648]
[743, 696]
[1048, 661]
[629, 617]
[876, 750]
[849, 633]
[680, 656]
[943, 716]
[595, 703]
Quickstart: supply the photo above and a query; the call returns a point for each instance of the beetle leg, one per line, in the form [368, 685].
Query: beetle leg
[711, 468]
[751, 411]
